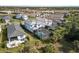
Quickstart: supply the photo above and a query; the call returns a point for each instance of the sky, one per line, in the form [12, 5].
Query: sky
[39, 2]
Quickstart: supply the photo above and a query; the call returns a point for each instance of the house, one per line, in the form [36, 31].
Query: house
[32, 25]
[6, 19]
[21, 16]
[42, 34]
[56, 16]
[54, 25]
[18, 16]
[24, 17]
[15, 35]
[44, 21]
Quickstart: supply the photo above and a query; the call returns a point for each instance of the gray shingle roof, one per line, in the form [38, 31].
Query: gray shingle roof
[6, 18]
[44, 34]
[55, 16]
[43, 30]
[14, 30]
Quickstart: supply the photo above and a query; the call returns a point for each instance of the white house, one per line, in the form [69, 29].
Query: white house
[6, 19]
[18, 16]
[32, 25]
[24, 17]
[15, 35]
[44, 21]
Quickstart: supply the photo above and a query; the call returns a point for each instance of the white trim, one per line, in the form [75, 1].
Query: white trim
[14, 43]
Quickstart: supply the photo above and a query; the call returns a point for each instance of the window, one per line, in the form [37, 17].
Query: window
[21, 35]
[13, 38]
[38, 24]
[31, 25]
[35, 25]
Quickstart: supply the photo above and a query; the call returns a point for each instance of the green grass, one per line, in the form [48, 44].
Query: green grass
[16, 21]
[32, 42]
[32, 18]
[0, 37]
[16, 49]
[12, 50]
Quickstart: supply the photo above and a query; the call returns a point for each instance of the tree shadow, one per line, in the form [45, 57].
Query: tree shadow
[68, 39]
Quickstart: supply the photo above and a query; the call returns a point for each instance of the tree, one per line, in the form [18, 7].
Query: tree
[58, 34]
[48, 48]
[29, 48]
[72, 27]
[76, 45]
[33, 50]
[3, 45]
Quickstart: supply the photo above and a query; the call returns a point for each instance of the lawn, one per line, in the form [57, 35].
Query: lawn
[16, 21]
[0, 37]
[33, 41]
[32, 18]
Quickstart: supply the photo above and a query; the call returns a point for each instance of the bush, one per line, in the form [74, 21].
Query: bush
[3, 45]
